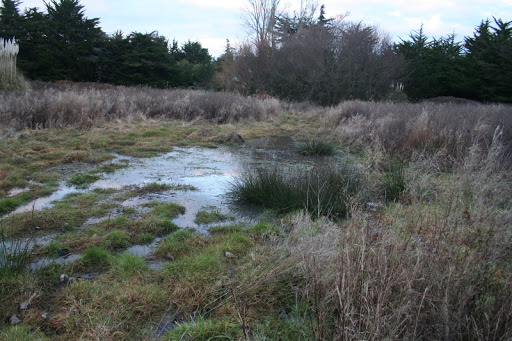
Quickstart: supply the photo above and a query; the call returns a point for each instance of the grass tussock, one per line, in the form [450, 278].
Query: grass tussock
[324, 190]
[316, 148]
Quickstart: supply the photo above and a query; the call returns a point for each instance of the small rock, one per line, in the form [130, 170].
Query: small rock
[229, 255]
[24, 305]
[45, 315]
[63, 252]
[15, 319]
[64, 278]
[38, 227]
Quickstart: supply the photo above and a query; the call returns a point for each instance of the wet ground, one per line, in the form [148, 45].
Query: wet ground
[209, 171]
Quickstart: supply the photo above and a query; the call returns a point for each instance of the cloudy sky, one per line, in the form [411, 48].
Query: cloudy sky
[211, 22]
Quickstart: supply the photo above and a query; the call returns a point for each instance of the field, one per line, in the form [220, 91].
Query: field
[402, 229]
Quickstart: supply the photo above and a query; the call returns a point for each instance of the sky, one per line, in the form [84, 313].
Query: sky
[211, 22]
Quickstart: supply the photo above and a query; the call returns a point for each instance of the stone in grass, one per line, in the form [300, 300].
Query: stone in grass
[15, 319]
[65, 279]
[24, 305]
[229, 255]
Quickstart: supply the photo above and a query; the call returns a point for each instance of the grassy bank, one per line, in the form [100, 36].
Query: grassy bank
[408, 238]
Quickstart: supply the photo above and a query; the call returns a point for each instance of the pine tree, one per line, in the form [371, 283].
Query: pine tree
[72, 39]
[489, 60]
[10, 20]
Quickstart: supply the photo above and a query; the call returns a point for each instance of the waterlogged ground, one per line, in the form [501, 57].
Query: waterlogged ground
[195, 178]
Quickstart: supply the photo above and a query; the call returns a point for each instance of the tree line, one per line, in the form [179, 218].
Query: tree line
[63, 44]
[294, 56]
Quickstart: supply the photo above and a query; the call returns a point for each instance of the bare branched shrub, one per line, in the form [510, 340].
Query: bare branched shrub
[81, 107]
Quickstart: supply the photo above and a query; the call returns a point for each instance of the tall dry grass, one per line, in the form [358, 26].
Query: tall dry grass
[444, 132]
[434, 268]
[51, 106]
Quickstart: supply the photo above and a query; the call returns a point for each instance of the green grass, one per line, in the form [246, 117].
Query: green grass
[205, 330]
[203, 267]
[207, 217]
[83, 180]
[145, 238]
[96, 257]
[225, 229]
[179, 244]
[262, 230]
[21, 333]
[110, 168]
[126, 266]
[169, 211]
[117, 239]
[8, 205]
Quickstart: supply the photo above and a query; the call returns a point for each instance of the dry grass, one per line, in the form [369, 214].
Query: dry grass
[446, 131]
[432, 265]
[83, 107]
[437, 267]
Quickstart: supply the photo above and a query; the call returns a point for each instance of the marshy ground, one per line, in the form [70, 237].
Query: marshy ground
[362, 221]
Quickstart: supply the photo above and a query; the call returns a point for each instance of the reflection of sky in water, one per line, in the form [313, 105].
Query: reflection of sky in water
[211, 171]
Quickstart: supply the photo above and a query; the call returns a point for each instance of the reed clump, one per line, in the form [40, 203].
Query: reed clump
[324, 190]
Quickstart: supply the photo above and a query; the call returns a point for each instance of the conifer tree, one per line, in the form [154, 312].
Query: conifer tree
[10, 20]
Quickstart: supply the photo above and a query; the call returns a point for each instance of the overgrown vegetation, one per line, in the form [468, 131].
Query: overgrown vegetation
[78, 107]
[407, 238]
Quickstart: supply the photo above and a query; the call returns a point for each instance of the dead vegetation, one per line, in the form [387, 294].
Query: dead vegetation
[431, 261]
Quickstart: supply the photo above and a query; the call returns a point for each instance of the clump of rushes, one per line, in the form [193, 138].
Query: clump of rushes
[14, 254]
[206, 217]
[324, 190]
[393, 181]
[316, 148]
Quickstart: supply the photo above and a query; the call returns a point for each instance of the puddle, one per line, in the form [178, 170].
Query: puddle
[144, 251]
[45, 261]
[16, 191]
[211, 171]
